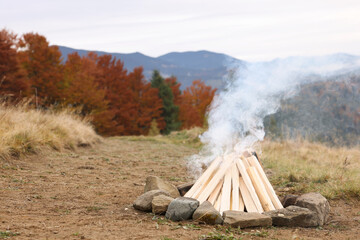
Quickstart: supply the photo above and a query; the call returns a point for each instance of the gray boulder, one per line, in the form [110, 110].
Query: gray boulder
[154, 183]
[316, 203]
[143, 202]
[181, 208]
[160, 204]
[184, 188]
[289, 200]
[208, 214]
[246, 219]
[293, 216]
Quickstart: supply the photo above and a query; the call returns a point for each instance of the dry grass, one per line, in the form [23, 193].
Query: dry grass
[24, 131]
[187, 137]
[301, 166]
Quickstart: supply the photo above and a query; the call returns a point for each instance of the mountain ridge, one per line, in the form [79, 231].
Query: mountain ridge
[187, 66]
[211, 67]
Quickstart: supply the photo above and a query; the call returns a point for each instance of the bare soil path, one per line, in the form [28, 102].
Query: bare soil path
[89, 195]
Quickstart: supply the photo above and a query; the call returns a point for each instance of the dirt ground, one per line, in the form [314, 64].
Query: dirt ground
[89, 195]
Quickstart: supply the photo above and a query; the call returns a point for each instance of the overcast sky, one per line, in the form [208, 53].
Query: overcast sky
[246, 29]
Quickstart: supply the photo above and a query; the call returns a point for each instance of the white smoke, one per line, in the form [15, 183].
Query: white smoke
[254, 91]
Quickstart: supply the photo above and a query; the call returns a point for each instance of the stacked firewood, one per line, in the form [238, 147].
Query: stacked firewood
[236, 182]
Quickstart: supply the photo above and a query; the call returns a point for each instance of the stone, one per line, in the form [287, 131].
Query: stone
[207, 213]
[246, 219]
[154, 183]
[160, 204]
[316, 203]
[293, 216]
[143, 202]
[289, 200]
[181, 208]
[184, 188]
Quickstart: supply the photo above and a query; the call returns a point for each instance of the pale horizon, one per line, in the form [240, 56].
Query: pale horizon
[260, 60]
[247, 30]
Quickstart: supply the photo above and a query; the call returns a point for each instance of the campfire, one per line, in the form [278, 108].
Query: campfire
[236, 182]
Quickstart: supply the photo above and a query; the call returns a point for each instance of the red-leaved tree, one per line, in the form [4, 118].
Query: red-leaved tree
[175, 88]
[79, 88]
[147, 104]
[13, 80]
[194, 102]
[43, 66]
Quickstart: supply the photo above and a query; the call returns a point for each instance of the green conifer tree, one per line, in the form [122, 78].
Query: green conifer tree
[170, 110]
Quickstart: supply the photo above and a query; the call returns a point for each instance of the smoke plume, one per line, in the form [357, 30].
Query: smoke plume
[253, 91]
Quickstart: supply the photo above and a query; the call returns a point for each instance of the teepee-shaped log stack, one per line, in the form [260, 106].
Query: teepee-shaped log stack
[236, 182]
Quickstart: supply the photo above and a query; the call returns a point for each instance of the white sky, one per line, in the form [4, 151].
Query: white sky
[246, 29]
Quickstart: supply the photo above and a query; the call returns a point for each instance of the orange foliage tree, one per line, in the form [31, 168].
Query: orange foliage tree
[79, 84]
[194, 102]
[113, 79]
[175, 88]
[43, 66]
[13, 81]
[148, 104]
[132, 102]
[79, 88]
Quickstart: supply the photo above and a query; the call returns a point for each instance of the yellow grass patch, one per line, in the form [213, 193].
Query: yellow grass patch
[24, 130]
[303, 166]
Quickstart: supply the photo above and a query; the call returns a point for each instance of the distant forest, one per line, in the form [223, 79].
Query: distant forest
[119, 101]
[326, 111]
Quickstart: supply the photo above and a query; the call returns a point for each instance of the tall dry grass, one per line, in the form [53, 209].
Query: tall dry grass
[24, 130]
[303, 166]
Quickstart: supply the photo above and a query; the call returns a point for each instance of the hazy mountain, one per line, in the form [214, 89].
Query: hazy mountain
[209, 66]
[324, 110]
[186, 66]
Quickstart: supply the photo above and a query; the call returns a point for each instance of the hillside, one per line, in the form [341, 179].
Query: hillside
[325, 111]
[186, 66]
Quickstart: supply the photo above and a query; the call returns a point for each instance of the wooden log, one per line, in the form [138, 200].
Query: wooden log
[218, 202]
[226, 192]
[216, 179]
[216, 192]
[256, 155]
[249, 186]
[245, 162]
[247, 200]
[203, 185]
[241, 201]
[269, 189]
[260, 189]
[257, 158]
[204, 177]
[235, 204]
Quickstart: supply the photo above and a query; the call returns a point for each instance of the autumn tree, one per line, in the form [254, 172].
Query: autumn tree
[194, 102]
[148, 104]
[43, 66]
[175, 89]
[132, 102]
[13, 81]
[112, 77]
[169, 110]
[79, 88]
